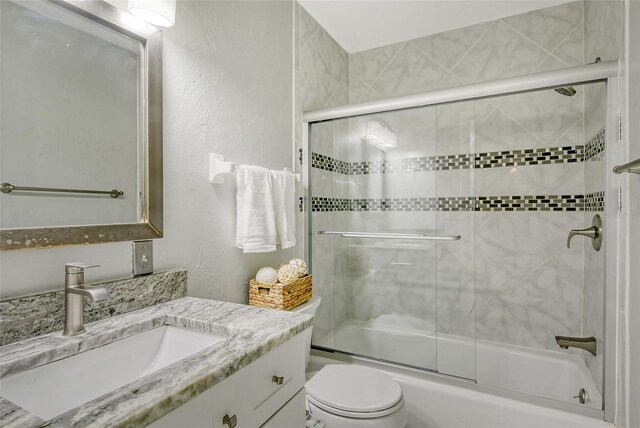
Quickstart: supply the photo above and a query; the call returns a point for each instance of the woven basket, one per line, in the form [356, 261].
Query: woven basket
[280, 296]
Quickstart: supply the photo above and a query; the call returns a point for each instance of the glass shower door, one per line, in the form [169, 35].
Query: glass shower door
[375, 205]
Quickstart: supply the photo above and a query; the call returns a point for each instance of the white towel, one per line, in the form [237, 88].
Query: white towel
[284, 202]
[256, 221]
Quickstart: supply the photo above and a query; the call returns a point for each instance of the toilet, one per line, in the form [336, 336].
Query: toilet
[348, 396]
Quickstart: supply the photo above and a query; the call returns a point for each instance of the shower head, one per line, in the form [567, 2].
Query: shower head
[567, 91]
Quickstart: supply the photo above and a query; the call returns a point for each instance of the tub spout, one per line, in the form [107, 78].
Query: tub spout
[586, 343]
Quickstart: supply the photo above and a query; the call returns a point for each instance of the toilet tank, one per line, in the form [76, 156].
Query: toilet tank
[309, 308]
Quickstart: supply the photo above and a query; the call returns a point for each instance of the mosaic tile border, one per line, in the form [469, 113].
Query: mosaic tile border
[594, 201]
[589, 202]
[595, 145]
[498, 159]
[544, 156]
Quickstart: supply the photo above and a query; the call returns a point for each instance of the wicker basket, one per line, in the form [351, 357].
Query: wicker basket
[280, 296]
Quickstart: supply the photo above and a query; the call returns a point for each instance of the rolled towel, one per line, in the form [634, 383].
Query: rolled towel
[284, 202]
[255, 216]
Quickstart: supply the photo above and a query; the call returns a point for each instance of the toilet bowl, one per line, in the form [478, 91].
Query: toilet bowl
[348, 396]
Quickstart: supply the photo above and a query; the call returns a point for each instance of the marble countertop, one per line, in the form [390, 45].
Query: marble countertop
[250, 333]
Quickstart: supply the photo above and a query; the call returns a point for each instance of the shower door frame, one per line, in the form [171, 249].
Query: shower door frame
[608, 72]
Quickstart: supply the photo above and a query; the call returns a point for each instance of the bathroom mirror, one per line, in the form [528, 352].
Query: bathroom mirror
[80, 125]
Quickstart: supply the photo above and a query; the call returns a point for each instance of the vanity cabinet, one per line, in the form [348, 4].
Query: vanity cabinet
[267, 390]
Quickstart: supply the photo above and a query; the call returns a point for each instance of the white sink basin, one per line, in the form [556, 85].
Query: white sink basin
[52, 389]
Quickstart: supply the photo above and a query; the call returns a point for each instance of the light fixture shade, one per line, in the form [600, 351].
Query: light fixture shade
[160, 13]
[380, 135]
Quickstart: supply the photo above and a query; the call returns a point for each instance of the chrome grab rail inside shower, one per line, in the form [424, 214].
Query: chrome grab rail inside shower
[632, 167]
[415, 235]
[8, 188]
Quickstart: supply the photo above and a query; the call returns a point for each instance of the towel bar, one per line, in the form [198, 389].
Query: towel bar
[218, 169]
[632, 167]
[8, 188]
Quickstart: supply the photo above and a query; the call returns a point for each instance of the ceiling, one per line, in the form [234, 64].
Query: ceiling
[365, 24]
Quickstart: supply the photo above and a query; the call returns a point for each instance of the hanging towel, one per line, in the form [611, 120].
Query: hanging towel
[255, 216]
[284, 202]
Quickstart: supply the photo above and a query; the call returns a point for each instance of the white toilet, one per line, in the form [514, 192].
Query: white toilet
[348, 396]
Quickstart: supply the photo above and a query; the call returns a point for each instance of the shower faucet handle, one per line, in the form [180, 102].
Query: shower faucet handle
[594, 232]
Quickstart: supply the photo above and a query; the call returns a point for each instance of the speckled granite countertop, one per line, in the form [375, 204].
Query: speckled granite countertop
[250, 333]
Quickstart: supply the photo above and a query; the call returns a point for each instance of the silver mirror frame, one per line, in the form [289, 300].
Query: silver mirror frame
[152, 215]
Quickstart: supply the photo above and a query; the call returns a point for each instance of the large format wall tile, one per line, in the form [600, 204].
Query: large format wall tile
[409, 71]
[548, 27]
[321, 81]
[536, 41]
[501, 52]
[448, 48]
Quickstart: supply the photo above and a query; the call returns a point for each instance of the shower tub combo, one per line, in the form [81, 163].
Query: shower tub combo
[438, 228]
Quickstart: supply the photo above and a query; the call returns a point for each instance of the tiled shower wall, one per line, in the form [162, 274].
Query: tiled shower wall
[528, 285]
[321, 81]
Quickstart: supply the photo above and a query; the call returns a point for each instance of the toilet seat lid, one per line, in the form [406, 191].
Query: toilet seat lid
[354, 389]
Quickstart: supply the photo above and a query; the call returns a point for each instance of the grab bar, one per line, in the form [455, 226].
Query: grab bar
[415, 235]
[8, 188]
[632, 167]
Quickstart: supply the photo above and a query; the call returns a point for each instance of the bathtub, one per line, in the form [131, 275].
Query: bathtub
[547, 374]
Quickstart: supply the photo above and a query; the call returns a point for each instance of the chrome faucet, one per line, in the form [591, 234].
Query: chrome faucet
[594, 232]
[586, 343]
[74, 293]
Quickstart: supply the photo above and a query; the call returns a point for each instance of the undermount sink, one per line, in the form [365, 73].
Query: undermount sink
[52, 389]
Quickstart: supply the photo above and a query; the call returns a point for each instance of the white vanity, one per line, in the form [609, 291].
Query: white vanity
[267, 393]
[185, 363]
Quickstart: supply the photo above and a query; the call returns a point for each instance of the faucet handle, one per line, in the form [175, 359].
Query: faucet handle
[594, 232]
[77, 267]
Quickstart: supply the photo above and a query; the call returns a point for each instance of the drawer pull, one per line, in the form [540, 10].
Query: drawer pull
[231, 422]
[278, 380]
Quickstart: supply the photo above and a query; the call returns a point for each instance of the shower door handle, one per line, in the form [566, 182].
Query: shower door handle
[413, 236]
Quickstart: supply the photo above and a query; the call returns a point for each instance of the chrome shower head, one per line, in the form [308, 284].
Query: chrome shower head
[567, 91]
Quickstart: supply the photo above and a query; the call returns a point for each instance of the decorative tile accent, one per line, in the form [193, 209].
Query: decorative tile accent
[591, 202]
[530, 203]
[507, 158]
[594, 201]
[542, 156]
[38, 314]
[328, 163]
[595, 145]
[319, 204]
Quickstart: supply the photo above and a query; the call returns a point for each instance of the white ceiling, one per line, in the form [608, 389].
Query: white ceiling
[365, 24]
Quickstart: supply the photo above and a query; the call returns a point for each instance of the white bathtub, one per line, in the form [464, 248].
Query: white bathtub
[548, 374]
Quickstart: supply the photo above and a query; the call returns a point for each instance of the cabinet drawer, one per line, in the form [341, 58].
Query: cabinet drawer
[291, 415]
[196, 413]
[227, 401]
[267, 396]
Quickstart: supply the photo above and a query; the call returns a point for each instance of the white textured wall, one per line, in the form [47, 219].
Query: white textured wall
[228, 81]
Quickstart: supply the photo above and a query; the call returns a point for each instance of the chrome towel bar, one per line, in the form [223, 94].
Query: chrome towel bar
[415, 235]
[8, 188]
[632, 167]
